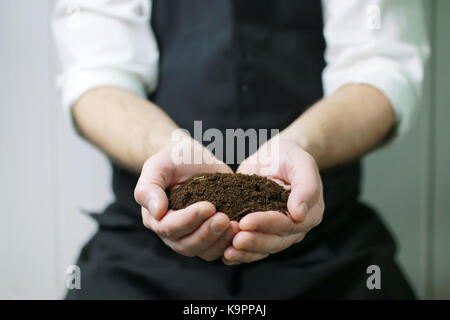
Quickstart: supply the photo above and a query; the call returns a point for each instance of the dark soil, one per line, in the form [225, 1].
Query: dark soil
[233, 194]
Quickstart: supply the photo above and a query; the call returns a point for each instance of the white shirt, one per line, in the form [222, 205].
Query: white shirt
[382, 43]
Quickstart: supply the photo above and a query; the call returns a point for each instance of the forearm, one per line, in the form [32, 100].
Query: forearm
[343, 127]
[126, 127]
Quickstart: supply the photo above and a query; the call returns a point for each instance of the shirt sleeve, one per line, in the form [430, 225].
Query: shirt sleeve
[104, 42]
[382, 43]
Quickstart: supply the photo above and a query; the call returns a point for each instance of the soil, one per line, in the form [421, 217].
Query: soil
[233, 194]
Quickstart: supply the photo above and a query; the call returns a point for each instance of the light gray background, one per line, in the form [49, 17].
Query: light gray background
[48, 175]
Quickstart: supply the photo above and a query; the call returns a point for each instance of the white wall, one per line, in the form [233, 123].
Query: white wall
[47, 174]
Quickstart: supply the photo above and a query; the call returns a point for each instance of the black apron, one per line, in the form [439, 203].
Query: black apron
[241, 64]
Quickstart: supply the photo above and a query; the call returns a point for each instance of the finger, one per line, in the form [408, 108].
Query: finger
[230, 263]
[306, 186]
[247, 168]
[149, 191]
[262, 242]
[273, 222]
[233, 256]
[176, 224]
[216, 250]
[201, 239]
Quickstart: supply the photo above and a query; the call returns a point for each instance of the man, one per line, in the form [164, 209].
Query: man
[338, 78]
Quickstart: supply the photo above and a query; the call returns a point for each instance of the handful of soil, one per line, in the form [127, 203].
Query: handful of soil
[233, 194]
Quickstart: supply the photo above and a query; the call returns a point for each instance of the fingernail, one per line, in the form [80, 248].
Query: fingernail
[152, 205]
[203, 214]
[303, 210]
[217, 227]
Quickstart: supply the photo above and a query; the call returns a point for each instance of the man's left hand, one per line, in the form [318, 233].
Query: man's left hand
[264, 233]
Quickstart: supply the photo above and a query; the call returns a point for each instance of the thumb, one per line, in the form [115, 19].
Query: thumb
[306, 185]
[150, 189]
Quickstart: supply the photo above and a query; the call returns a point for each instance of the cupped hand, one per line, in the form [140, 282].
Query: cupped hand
[264, 233]
[197, 230]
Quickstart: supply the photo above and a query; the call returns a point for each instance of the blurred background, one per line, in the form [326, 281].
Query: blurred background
[49, 176]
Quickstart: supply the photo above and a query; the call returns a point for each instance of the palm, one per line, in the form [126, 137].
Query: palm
[263, 234]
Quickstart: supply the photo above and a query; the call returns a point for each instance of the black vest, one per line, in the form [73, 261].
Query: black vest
[240, 64]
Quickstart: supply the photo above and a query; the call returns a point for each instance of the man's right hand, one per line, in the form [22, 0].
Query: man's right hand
[197, 230]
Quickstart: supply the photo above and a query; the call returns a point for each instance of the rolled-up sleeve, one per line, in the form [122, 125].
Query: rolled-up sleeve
[382, 43]
[104, 42]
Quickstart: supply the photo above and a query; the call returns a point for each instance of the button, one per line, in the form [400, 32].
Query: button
[244, 88]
